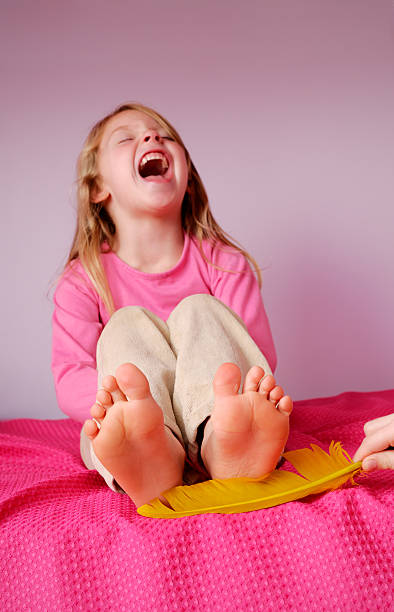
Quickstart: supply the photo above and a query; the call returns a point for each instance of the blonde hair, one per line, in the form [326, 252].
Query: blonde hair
[94, 225]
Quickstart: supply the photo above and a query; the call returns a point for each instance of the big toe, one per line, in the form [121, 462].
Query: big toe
[132, 382]
[227, 380]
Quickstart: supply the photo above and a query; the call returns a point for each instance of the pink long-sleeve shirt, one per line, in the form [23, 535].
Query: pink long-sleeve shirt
[80, 315]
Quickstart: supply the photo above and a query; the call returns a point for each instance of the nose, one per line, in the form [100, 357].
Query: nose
[152, 135]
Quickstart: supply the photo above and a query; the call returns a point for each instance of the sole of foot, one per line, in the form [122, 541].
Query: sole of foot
[247, 431]
[132, 442]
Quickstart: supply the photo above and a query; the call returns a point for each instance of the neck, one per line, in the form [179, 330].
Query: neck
[151, 245]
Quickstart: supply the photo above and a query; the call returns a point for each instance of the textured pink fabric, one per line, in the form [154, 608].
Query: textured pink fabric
[67, 542]
[79, 313]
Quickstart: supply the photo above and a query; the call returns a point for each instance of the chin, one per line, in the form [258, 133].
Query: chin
[160, 209]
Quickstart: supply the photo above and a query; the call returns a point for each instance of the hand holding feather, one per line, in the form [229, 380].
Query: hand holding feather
[319, 471]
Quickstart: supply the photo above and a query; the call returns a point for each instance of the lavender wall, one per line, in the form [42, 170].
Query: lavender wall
[286, 108]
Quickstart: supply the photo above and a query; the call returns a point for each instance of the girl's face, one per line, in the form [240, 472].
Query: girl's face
[133, 181]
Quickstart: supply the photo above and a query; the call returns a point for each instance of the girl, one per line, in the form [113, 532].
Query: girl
[162, 312]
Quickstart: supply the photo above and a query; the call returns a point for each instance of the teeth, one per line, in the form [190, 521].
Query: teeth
[154, 155]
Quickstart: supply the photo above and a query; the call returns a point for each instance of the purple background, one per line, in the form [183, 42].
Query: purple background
[287, 110]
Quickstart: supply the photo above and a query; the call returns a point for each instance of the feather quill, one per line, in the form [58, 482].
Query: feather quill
[319, 471]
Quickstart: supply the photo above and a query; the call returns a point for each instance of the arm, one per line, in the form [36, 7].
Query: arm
[240, 291]
[376, 450]
[76, 329]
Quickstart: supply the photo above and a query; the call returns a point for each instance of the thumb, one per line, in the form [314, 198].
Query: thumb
[379, 461]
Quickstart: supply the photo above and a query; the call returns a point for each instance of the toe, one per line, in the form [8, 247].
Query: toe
[285, 405]
[90, 428]
[132, 382]
[252, 379]
[276, 394]
[227, 380]
[118, 395]
[267, 384]
[110, 384]
[104, 398]
[97, 411]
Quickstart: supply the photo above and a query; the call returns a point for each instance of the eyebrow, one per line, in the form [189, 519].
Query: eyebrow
[127, 127]
[121, 127]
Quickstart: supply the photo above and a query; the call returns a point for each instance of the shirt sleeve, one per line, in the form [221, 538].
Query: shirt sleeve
[237, 287]
[76, 328]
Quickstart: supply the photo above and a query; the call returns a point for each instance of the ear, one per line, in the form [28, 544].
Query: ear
[98, 195]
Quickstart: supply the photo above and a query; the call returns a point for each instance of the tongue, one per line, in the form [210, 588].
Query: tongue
[153, 167]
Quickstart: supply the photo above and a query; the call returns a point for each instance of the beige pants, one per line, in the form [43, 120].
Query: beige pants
[179, 359]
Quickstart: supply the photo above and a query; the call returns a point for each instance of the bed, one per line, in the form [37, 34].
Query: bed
[70, 543]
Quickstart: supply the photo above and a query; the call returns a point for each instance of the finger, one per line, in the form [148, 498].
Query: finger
[375, 424]
[379, 461]
[378, 441]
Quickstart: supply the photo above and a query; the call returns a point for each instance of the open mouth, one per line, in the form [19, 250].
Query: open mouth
[153, 164]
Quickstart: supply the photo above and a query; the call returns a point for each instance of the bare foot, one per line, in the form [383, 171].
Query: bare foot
[106, 396]
[132, 442]
[246, 433]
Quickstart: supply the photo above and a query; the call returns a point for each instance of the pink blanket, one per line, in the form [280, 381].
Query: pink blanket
[70, 543]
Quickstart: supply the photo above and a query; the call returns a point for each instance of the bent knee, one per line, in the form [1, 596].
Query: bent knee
[197, 301]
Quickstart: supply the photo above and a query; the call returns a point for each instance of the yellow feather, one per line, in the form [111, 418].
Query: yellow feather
[320, 472]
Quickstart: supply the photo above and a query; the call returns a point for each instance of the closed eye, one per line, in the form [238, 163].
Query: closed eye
[168, 138]
[126, 139]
